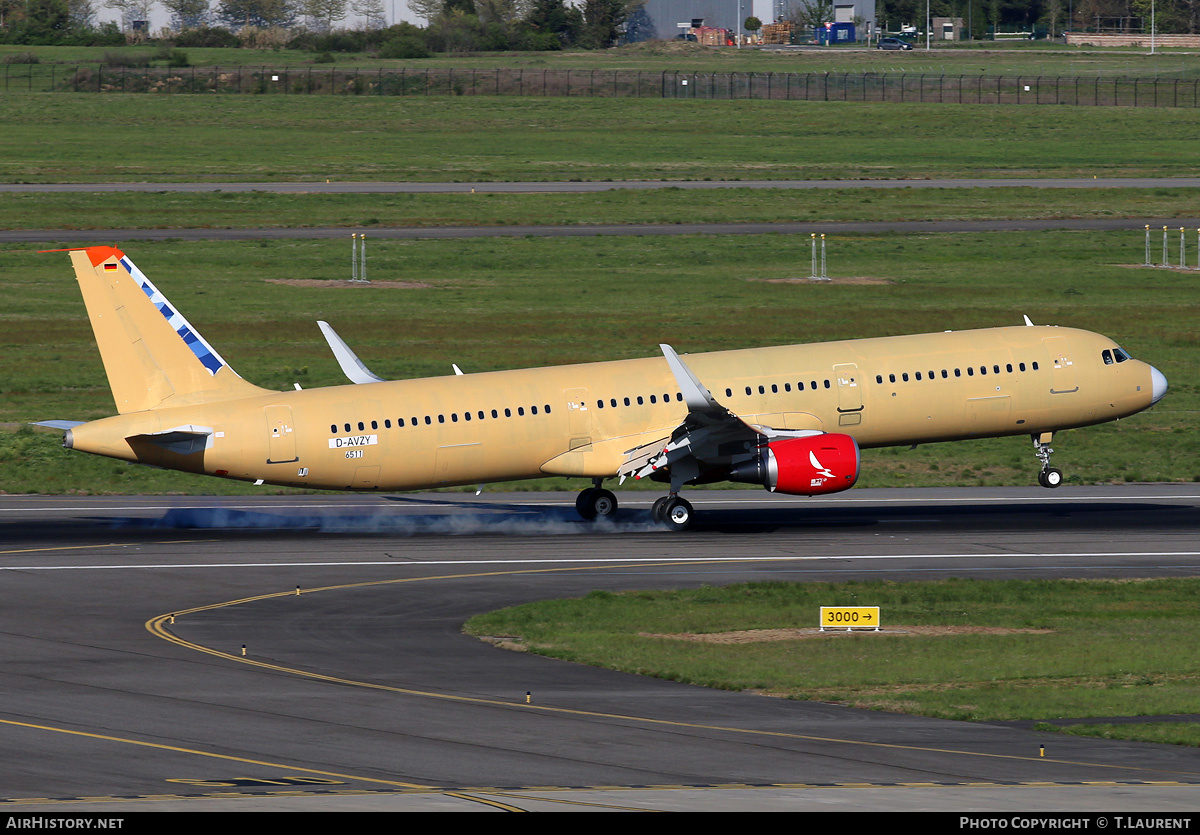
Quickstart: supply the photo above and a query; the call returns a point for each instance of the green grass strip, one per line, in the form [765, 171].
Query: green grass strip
[958, 649]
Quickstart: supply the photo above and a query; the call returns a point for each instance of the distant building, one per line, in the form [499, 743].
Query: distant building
[661, 19]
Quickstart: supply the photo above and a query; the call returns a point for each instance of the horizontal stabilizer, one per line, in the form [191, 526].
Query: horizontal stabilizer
[59, 424]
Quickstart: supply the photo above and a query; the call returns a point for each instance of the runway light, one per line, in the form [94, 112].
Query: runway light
[297, 590]
[243, 650]
[1041, 750]
[528, 697]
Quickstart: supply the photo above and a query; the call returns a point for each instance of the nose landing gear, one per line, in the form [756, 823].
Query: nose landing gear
[1049, 476]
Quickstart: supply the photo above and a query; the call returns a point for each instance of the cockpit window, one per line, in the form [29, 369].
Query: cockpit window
[1121, 354]
[1108, 357]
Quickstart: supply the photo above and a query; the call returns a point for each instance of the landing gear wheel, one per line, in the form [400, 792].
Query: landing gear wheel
[604, 504]
[658, 510]
[596, 503]
[678, 514]
[1051, 477]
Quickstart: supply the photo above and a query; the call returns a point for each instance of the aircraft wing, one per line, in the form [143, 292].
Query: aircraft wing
[710, 437]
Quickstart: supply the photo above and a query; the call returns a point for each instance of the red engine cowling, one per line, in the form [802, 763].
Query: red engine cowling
[809, 466]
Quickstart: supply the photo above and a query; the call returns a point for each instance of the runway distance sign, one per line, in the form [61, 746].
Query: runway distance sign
[849, 617]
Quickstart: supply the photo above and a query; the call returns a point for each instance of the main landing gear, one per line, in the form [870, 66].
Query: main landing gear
[1049, 476]
[596, 503]
[673, 511]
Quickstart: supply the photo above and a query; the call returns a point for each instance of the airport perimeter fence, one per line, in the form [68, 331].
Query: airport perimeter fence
[776, 86]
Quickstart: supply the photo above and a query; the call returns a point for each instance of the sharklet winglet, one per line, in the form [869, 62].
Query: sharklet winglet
[354, 369]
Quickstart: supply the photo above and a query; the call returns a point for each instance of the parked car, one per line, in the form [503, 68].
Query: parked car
[894, 43]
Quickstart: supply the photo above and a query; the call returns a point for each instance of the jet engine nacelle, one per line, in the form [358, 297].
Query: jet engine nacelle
[809, 466]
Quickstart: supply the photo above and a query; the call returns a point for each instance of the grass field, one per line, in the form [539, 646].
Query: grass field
[69, 137]
[1042, 58]
[254, 210]
[992, 650]
[508, 303]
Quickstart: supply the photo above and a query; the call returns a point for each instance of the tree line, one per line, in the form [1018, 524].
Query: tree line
[451, 25]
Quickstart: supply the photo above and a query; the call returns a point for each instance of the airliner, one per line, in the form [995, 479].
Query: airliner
[792, 419]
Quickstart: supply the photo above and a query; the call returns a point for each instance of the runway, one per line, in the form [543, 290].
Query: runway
[126, 687]
[92, 236]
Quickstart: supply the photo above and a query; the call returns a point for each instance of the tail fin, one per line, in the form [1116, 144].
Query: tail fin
[152, 355]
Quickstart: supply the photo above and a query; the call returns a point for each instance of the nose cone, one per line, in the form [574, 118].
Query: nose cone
[1159, 384]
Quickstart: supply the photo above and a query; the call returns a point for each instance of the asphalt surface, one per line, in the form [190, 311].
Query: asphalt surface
[104, 236]
[361, 692]
[581, 187]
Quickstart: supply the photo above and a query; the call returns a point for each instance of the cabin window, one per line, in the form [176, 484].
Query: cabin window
[983, 370]
[679, 396]
[626, 401]
[879, 379]
[361, 426]
[904, 376]
[495, 414]
[787, 386]
[613, 402]
[347, 427]
[428, 420]
[762, 389]
[1008, 368]
[466, 415]
[441, 418]
[333, 428]
[774, 389]
[480, 413]
[1035, 366]
[970, 371]
[508, 412]
[547, 408]
[400, 422]
[826, 384]
[995, 369]
[374, 424]
[387, 424]
[599, 404]
[918, 375]
[641, 402]
[748, 390]
[521, 411]
[945, 374]
[454, 417]
[533, 410]
[729, 392]
[1021, 366]
[653, 398]
[957, 372]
